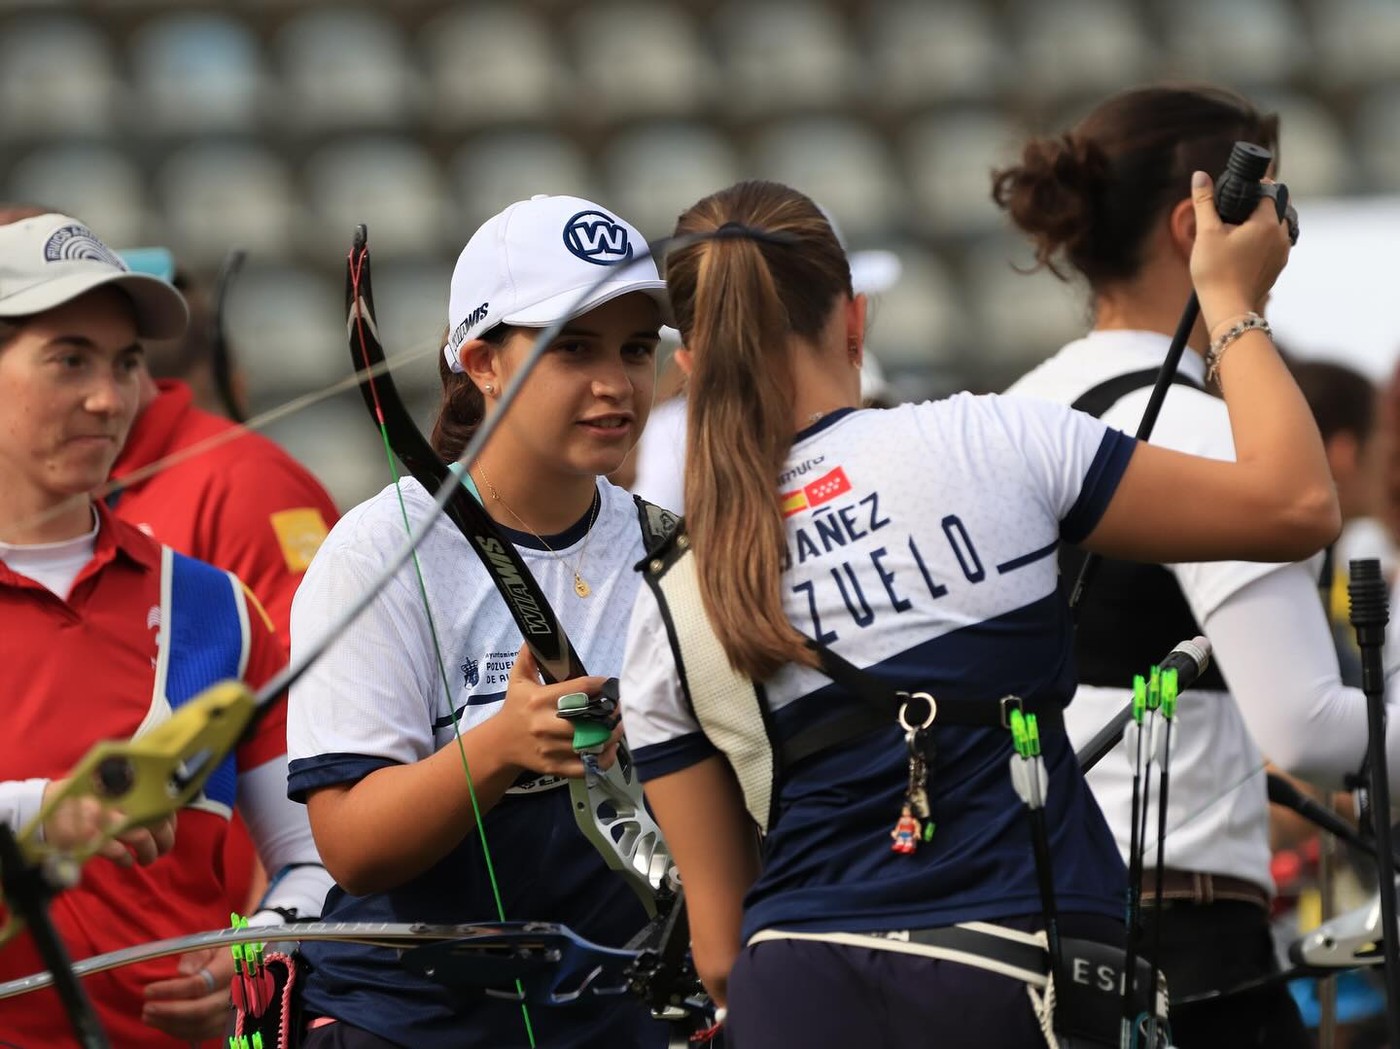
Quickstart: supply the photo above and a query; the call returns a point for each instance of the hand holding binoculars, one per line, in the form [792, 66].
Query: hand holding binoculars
[1238, 189]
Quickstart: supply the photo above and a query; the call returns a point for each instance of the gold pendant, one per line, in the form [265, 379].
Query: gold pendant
[580, 587]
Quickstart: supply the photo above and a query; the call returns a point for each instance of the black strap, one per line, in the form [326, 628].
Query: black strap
[881, 696]
[1136, 605]
[1028, 957]
[1098, 399]
[831, 732]
[881, 703]
[658, 524]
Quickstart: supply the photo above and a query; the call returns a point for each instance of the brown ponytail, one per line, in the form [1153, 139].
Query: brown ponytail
[738, 301]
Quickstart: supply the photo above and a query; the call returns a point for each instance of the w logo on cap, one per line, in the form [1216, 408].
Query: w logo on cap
[79, 242]
[597, 238]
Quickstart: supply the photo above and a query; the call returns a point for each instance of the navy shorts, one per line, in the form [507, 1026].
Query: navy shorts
[807, 994]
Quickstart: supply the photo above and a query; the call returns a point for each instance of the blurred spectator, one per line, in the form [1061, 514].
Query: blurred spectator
[202, 359]
[1389, 423]
[235, 499]
[238, 500]
[1345, 405]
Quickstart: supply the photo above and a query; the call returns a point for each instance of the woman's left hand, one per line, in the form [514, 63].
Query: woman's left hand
[194, 1005]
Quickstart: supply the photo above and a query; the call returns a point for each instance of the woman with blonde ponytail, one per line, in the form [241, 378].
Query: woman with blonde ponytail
[895, 901]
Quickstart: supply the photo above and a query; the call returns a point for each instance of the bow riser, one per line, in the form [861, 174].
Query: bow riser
[608, 809]
[1345, 942]
[548, 942]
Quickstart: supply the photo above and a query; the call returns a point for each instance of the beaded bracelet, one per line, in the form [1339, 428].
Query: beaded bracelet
[1230, 322]
[1249, 322]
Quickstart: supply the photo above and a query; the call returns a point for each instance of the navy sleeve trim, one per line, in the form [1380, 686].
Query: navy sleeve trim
[1028, 559]
[1100, 482]
[661, 759]
[327, 770]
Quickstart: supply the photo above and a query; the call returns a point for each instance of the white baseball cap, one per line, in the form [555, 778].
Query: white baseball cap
[52, 259]
[529, 264]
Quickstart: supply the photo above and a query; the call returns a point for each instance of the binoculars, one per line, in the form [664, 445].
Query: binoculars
[1238, 190]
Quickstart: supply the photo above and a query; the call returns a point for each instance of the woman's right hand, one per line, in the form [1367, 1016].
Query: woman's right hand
[534, 734]
[78, 822]
[1233, 267]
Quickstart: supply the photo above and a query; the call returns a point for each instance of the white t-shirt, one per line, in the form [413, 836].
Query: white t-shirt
[1217, 810]
[55, 565]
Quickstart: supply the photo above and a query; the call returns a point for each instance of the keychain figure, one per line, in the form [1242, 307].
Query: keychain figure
[906, 833]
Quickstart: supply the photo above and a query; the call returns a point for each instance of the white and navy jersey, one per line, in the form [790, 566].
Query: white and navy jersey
[378, 699]
[921, 547]
[1217, 812]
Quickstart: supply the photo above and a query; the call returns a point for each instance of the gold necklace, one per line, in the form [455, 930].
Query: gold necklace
[581, 586]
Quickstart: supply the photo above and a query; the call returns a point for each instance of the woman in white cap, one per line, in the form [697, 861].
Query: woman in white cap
[374, 727]
[106, 632]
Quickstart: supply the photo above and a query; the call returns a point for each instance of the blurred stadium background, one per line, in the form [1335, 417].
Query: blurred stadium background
[276, 125]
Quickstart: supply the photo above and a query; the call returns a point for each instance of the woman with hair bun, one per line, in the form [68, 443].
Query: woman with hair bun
[1110, 202]
[859, 605]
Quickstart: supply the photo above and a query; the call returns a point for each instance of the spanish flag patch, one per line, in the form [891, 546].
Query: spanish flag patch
[299, 533]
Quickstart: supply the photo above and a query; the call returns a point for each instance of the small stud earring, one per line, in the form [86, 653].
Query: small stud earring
[490, 388]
